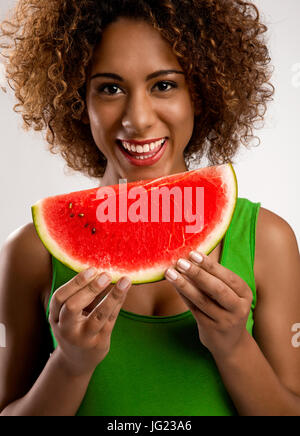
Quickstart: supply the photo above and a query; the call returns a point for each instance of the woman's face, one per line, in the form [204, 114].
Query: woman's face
[131, 102]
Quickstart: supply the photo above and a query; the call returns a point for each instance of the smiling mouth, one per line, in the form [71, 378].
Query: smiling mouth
[142, 152]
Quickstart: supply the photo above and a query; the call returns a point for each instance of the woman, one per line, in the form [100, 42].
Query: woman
[102, 77]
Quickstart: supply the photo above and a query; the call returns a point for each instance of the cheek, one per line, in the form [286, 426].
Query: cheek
[101, 119]
[181, 118]
[98, 116]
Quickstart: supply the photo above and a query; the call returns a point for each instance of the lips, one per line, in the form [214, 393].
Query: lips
[136, 161]
[136, 153]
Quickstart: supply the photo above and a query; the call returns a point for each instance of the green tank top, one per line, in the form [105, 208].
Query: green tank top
[156, 365]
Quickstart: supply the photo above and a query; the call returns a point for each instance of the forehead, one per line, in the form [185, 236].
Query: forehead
[135, 44]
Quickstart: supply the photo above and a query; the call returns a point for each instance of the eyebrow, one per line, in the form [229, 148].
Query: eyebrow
[149, 77]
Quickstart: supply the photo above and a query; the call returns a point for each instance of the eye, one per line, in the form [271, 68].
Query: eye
[109, 86]
[163, 85]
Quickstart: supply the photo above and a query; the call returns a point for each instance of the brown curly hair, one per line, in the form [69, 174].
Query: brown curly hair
[218, 44]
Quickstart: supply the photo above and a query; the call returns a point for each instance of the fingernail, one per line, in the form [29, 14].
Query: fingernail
[124, 283]
[184, 264]
[196, 257]
[89, 273]
[171, 274]
[102, 280]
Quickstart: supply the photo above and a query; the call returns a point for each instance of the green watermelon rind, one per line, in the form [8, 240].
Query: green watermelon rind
[148, 275]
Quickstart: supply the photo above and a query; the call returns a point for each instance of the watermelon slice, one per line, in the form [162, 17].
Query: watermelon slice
[139, 229]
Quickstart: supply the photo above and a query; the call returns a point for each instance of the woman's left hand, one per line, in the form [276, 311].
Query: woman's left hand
[219, 300]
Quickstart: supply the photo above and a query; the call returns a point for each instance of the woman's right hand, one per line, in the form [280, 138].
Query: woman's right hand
[84, 340]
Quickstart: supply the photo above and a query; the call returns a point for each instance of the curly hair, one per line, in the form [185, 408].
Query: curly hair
[218, 44]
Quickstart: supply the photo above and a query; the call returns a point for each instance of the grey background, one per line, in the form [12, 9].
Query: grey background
[268, 173]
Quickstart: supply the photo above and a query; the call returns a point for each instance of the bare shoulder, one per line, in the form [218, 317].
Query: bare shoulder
[25, 271]
[28, 256]
[277, 264]
[275, 240]
[272, 230]
[26, 237]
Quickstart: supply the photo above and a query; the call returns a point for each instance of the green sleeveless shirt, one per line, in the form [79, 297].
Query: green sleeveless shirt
[156, 365]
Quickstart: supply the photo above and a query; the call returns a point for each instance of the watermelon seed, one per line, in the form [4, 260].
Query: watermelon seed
[81, 215]
[93, 230]
[72, 215]
[70, 205]
[86, 225]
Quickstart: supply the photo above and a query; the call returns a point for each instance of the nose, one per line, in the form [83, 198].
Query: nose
[139, 114]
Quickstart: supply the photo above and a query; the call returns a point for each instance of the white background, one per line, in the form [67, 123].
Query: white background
[268, 173]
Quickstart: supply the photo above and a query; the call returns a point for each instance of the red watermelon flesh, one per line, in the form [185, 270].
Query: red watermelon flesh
[69, 226]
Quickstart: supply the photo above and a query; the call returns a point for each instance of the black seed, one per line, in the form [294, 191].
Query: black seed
[81, 215]
[93, 230]
[86, 225]
[72, 215]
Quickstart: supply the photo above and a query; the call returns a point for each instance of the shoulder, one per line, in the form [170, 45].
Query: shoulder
[277, 263]
[273, 230]
[275, 243]
[24, 256]
[25, 270]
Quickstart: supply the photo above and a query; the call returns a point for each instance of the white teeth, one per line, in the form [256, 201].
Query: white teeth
[145, 148]
[144, 157]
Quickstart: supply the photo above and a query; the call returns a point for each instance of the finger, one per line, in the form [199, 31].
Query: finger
[198, 298]
[105, 311]
[114, 315]
[198, 314]
[232, 280]
[66, 291]
[73, 307]
[210, 285]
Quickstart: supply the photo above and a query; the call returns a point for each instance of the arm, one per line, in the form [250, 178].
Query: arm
[263, 375]
[31, 383]
[55, 393]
